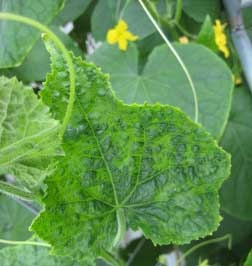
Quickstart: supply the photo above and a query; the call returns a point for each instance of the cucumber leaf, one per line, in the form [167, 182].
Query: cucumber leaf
[139, 166]
[206, 35]
[163, 80]
[248, 261]
[236, 192]
[71, 11]
[198, 9]
[32, 255]
[17, 39]
[28, 135]
[39, 58]
[15, 220]
[107, 13]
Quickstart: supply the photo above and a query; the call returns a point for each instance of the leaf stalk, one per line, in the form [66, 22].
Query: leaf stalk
[28, 243]
[227, 237]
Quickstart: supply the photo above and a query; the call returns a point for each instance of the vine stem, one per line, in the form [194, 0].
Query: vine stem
[178, 12]
[188, 76]
[184, 31]
[227, 237]
[109, 258]
[11, 190]
[137, 249]
[60, 45]
[32, 243]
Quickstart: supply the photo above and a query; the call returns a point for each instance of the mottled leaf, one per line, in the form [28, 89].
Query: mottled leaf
[163, 80]
[236, 192]
[239, 231]
[17, 39]
[28, 135]
[32, 256]
[147, 167]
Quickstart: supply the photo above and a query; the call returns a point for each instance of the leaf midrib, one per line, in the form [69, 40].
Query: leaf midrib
[101, 153]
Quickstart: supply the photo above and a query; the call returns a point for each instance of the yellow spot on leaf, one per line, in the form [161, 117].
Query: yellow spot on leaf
[183, 40]
[120, 34]
[237, 80]
[204, 263]
[220, 37]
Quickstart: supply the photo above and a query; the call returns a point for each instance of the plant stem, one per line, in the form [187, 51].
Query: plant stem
[60, 45]
[11, 190]
[152, 9]
[137, 249]
[184, 31]
[178, 11]
[33, 243]
[121, 226]
[227, 237]
[184, 68]
[109, 258]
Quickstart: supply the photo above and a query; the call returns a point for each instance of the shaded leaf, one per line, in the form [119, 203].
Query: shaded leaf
[236, 192]
[28, 135]
[71, 11]
[17, 39]
[163, 80]
[15, 220]
[140, 166]
[37, 63]
[198, 9]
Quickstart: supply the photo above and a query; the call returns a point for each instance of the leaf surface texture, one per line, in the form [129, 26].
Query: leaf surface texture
[28, 135]
[148, 166]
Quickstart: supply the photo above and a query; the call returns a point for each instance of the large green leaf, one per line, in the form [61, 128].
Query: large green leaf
[28, 135]
[198, 9]
[32, 256]
[106, 16]
[163, 80]
[15, 220]
[248, 261]
[17, 39]
[236, 192]
[145, 166]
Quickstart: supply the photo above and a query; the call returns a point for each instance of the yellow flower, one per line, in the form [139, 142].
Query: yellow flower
[221, 38]
[120, 34]
[183, 40]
